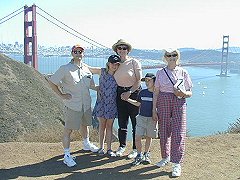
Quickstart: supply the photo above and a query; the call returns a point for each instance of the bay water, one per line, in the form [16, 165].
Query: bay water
[215, 103]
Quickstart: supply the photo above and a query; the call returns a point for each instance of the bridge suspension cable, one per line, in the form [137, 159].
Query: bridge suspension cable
[13, 14]
[89, 40]
[205, 53]
[64, 29]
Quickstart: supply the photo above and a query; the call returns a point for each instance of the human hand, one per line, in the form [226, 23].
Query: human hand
[66, 96]
[154, 116]
[178, 92]
[125, 95]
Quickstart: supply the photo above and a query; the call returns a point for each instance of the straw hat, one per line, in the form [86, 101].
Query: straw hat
[121, 42]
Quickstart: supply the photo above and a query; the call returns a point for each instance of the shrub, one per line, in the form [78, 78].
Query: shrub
[234, 128]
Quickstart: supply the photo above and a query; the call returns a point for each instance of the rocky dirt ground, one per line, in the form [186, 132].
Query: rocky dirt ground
[207, 158]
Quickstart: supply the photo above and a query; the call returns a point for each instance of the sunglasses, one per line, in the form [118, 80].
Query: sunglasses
[171, 55]
[77, 52]
[147, 80]
[122, 48]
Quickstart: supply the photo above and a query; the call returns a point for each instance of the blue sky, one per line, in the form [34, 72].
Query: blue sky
[146, 24]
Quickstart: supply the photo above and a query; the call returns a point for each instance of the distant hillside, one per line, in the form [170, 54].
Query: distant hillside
[188, 55]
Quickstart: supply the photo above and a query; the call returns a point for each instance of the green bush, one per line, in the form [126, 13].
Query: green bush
[234, 128]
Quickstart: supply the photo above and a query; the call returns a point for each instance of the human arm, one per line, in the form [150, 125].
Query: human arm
[133, 102]
[55, 88]
[186, 90]
[154, 110]
[95, 70]
[93, 86]
[183, 94]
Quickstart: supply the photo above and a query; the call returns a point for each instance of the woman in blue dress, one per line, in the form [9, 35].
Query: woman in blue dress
[106, 108]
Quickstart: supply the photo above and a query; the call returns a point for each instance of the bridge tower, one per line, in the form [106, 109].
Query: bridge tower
[224, 62]
[30, 36]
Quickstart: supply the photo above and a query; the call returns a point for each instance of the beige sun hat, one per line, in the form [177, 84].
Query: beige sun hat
[121, 42]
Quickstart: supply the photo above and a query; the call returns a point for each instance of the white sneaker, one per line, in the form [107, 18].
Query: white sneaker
[163, 162]
[132, 154]
[146, 158]
[90, 147]
[111, 153]
[68, 160]
[100, 152]
[120, 151]
[176, 171]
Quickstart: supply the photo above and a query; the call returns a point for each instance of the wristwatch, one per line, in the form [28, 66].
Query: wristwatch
[130, 91]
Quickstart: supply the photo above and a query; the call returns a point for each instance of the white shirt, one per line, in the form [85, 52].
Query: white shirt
[74, 80]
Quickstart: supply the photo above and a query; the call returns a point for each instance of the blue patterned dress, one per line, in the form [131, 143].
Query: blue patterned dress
[106, 106]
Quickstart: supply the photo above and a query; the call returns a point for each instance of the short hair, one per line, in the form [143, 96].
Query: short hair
[170, 50]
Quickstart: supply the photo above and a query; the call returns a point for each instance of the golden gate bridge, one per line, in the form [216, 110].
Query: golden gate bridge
[30, 40]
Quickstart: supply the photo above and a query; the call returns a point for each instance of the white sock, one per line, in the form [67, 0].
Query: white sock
[86, 140]
[67, 151]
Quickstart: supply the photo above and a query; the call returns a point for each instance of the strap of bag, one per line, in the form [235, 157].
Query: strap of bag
[168, 76]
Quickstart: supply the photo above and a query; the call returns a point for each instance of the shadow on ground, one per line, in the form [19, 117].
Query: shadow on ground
[54, 166]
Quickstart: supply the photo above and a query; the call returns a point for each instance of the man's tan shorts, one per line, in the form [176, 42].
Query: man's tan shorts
[146, 127]
[74, 119]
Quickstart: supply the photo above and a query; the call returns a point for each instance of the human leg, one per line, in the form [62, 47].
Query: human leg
[133, 112]
[84, 130]
[138, 144]
[178, 131]
[148, 144]
[178, 135]
[71, 122]
[109, 126]
[140, 132]
[102, 129]
[122, 123]
[66, 138]
[136, 153]
[138, 159]
[123, 116]
[122, 133]
[86, 121]
[133, 121]
[151, 133]
[146, 154]
[87, 145]
[164, 103]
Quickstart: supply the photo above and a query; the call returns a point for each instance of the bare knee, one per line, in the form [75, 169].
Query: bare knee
[109, 124]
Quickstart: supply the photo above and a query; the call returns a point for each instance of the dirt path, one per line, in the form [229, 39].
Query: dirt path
[213, 157]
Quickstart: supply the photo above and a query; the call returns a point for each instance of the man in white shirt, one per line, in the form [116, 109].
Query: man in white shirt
[74, 80]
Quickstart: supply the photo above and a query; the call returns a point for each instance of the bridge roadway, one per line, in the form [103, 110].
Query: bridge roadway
[184, 64]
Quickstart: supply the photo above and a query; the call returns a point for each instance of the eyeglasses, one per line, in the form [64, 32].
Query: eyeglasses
[77, 52]
[171, 55]
[122, 48]
[147, 80]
